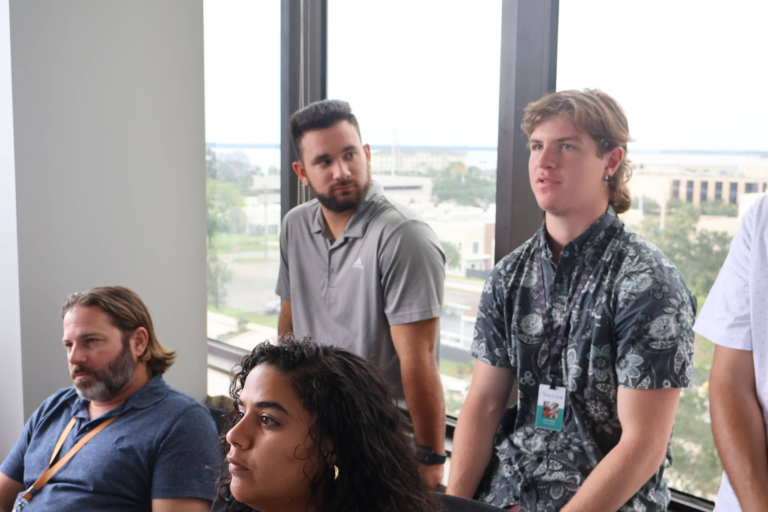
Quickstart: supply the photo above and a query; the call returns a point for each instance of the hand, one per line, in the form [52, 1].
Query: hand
[432, 474]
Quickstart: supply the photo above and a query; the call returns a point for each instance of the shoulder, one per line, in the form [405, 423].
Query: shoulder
[755, 219]
[515, 263]
[54, 404]
[645, 269]
[301, 214]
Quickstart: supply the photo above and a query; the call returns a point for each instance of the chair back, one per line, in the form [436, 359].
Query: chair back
[456, 504]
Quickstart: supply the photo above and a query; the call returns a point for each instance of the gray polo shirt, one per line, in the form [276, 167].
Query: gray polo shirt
[388, 268]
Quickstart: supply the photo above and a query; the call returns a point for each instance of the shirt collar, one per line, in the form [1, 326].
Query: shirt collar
[359, 221]
[582, 242]
[149, 394]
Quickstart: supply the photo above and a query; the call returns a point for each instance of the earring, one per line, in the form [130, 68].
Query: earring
[335, 472]
[607, 177]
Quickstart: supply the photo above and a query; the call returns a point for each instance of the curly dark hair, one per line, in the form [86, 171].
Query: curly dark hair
[352, 405]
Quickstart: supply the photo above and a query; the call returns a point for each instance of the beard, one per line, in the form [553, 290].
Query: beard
[106, 383]
[349, 201]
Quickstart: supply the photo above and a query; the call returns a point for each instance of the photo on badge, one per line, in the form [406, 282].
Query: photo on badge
[549, 412]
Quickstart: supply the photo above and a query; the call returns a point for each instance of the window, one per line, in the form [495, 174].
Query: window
[750, 188]
[693, 147]
[426, 96]
[242, 115]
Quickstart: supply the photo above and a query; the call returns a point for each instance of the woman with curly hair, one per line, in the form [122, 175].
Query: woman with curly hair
[315, 429]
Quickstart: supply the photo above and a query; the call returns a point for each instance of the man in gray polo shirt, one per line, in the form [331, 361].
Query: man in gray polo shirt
[363, 273]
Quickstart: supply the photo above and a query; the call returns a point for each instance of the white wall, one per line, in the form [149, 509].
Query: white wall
[110, 172]
[11, 394]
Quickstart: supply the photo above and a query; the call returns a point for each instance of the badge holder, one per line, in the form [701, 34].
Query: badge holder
[551, 407]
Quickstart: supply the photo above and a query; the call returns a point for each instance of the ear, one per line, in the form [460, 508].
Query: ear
[301, 172]
[367, 149]
[613, 160]
[138, 342]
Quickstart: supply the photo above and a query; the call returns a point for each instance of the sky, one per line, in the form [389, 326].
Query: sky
[689, 74]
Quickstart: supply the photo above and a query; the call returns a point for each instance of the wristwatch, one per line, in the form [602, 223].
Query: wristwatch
[428, 457]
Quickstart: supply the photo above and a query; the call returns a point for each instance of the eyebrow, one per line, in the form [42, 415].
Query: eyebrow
[563, 139]
[86, 335]
[266, 405]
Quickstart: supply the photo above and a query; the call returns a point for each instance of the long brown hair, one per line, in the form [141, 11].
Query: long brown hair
[594, 112]
[127, 312]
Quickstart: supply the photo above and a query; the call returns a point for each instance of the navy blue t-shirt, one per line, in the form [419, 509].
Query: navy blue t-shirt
[164, 445]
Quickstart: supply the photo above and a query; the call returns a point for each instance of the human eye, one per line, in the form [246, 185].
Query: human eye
[267, 421]
[349, 155]
[535, 147]
[568, 146]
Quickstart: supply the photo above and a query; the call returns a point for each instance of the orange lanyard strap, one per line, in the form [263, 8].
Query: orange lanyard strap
[50, 471]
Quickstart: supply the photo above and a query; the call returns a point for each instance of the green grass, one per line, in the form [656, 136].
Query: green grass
[250, 316]
[456, 369]
[255, 260]
[467, 279]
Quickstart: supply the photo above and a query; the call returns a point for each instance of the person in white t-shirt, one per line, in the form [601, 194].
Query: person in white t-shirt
[735, 317]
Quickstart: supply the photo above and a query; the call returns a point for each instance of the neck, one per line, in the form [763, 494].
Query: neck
[561, 229]
[336, 221]
[140, 378]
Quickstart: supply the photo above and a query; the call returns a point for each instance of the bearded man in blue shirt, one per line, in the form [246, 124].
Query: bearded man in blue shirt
[121, 439]
[591, 322]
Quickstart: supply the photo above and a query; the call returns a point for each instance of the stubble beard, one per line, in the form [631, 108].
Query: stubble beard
[350, 202]
[107, 383]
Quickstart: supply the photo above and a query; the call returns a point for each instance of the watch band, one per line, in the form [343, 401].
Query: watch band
[428, 457]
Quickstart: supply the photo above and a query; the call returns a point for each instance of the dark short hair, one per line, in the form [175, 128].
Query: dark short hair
[318, 116]
[352, 405]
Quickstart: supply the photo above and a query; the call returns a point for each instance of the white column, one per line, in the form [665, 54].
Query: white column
[108, 122]
[11, 392]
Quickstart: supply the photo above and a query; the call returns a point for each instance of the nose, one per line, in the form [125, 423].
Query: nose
[77, 355]
[341, 171]
[238, 436]
[546, 157]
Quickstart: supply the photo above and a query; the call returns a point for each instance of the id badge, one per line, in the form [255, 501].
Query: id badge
[550, 408]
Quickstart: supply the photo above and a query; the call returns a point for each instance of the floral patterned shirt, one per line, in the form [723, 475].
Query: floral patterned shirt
[632, 327]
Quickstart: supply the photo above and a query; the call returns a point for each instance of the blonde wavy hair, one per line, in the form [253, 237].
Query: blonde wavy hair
[127, 312]
[594, 112]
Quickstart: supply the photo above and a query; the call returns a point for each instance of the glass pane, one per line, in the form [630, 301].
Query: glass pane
[687, 82]
[427, 101]
[242, 130]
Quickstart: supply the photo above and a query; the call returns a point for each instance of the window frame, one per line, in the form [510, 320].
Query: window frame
[528, 71]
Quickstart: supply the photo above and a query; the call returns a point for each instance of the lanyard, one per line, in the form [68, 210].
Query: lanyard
[52, 470]
[556, 344]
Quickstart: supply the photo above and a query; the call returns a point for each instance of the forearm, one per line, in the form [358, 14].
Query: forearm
[285, 319]
[618, 477]
[424, 396]
[472, 445]
[739, 432]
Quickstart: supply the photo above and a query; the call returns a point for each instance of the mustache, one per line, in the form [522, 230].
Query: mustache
[80, 369]
[343, 184]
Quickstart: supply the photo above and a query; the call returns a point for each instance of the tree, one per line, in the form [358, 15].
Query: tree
[719, 208]
[452, 256]
[219, 276]
[466, 186]
[221, 200]
[698, 256]
[650, 207]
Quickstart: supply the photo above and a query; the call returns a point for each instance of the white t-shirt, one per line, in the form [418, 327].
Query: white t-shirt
[735, 314]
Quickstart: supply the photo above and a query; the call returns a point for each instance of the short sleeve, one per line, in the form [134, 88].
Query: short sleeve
[412, 266]
[187, 465]
[283, 287]
[490, 340]
[725, 317]
[653, 325]
[13, 465]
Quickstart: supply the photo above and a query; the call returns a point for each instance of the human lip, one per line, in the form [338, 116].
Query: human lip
[235, 466]
[80, 375]
[546, 181]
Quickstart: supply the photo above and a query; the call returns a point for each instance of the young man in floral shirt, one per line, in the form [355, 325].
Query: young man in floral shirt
[596, 399]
